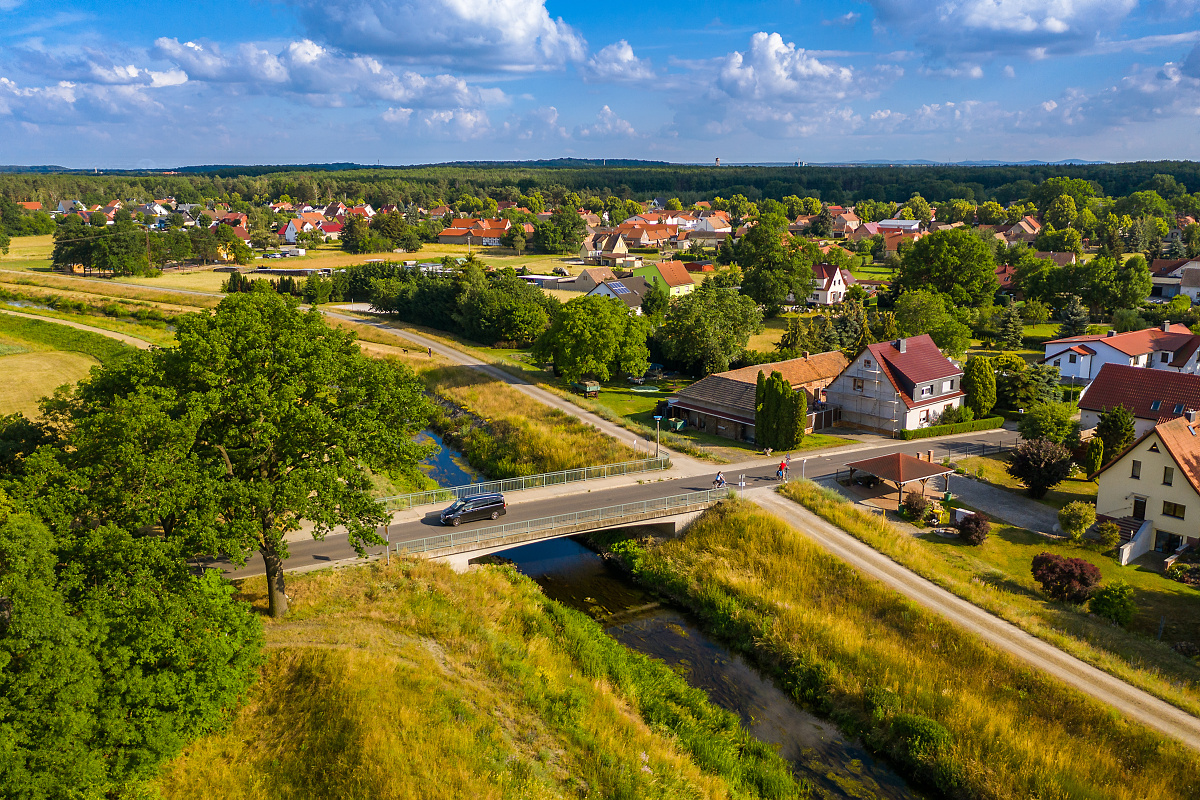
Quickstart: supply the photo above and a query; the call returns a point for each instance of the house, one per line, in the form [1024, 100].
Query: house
[672, 276]
[331, 230]
[892, 240]
[647, 235]
[845, 223]
[903, 225]
[592, 277]
[468, 230]
[1148, 489]
[830, 284]
[1005, 275]
[1153, 396]
[1059, 259]
[1024, 230]
[440, 211]
[1166, 276]
[1167, 347]
[630, 291]
[30, 205]
[608, 249]
[801, 223]
[899, 385]
[1189, 281]
[295, 227]
[723, 403]
[866, 230]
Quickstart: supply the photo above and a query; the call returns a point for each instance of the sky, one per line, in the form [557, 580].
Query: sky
[129, 85]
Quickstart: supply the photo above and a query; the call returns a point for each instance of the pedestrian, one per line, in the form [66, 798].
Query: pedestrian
[431, 352]
[787, 464]
[782, 470]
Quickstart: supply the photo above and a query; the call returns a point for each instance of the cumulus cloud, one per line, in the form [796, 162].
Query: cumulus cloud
[321, 75]
[67, 103]
[987, 27]
[471, 34]
[607, 126]
[617, 62]
[774, 69]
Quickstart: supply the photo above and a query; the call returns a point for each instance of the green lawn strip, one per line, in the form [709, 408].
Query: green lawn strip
[150, 332]
[996, 577]
[63, 337]
[993, 469]
[954, 714]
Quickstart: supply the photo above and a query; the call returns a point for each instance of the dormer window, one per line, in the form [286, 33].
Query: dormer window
[1165, 357]
[1179, 408]
[926, 391]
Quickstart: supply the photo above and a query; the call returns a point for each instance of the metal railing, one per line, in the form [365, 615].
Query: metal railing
[405, 501]
[593, 518]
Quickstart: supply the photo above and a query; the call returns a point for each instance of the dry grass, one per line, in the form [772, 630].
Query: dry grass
[31, 376]
[988, 577]
[865, 654]
[107, 288]
[411, 681]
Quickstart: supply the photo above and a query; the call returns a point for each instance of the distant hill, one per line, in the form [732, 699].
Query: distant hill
[43, 168]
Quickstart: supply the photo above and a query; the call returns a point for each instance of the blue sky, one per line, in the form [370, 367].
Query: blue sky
[154, 85]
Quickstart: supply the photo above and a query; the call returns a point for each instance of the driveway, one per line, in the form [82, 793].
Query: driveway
[1001, 504]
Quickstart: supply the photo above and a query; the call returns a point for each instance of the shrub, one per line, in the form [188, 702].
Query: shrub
[987, 423]
[1108, 535]
[1095, 456]
[1050, 421]
[1070, 580]
[1040, 465]
[915, 504]
[974, 529]
[1114, 602]
[957, 415]
[1077, 517]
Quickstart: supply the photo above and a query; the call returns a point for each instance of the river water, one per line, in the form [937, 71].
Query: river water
[835, 766]
[446, 466]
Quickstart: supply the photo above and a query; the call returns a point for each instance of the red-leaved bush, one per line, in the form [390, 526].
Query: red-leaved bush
[1071, 580]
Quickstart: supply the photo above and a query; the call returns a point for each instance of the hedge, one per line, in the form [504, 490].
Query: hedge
[644, 250]
[1071, 393]
[985, 424]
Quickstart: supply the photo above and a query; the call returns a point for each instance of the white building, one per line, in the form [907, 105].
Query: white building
[830, 284]
[1079, 358]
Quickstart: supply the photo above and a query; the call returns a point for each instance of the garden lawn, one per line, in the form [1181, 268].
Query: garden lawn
[996, 577]
[994, 470]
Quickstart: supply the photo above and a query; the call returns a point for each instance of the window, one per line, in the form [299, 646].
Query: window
[925, 416]
[1168, 475]
[867, 363]
[948, 386]
[1071, 359]
[1058, 362]
[858, 384]
[926, 391]
[1156, 405]
[1179, 408]
[1172, 509]
[1136, 472]
[1164, 357]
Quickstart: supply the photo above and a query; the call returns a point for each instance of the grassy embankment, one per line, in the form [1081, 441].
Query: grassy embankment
[414, 681]
[955, 714]
[994, 470]
[37, 357]
[996, 577]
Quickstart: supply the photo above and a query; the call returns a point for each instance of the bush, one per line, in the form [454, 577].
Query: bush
[1095, 456]
[1050, 421]
[1040, 465]
[957, 415]
[985, 424]
[1070, 580]
[974, 529]
[1114, 602]
[1077, 517]
[1108, 535]
[915, 504]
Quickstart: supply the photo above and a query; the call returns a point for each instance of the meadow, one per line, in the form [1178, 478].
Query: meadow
[410, 680]
[996, 577]
[957, 716]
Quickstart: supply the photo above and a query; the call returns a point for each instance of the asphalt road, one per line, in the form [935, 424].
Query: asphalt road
[310, 553]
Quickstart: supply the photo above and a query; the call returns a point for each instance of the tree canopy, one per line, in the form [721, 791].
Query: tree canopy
[956, 263]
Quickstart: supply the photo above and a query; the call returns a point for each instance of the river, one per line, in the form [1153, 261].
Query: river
[836, 767]
[446, 466]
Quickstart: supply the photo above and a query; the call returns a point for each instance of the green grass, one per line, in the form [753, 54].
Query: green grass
[414, 681]
[61, 337]
[996, 577]
[993, 469]
[886, 669]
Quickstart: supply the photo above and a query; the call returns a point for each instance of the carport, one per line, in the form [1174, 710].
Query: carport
[899, 469]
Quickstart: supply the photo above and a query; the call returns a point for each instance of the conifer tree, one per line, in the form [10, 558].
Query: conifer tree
[1012, 329]
[1074, 318]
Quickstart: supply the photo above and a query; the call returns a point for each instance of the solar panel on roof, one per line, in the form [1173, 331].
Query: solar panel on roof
[618, 287]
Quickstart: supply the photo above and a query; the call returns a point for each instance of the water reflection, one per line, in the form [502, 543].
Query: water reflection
[446, 466]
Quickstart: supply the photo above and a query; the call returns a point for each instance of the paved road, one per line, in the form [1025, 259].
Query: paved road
[1005, 505]
[1132, 702]
[141, 344]
[309, 553]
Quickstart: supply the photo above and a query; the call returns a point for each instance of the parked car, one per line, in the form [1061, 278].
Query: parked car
[469, 509]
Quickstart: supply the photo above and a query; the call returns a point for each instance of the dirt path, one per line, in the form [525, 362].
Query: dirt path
[141, 344]
[1134, 703]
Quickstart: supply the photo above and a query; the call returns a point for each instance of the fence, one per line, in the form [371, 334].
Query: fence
[950, 451]
[568, 523]
[824, 416]
[405, 501]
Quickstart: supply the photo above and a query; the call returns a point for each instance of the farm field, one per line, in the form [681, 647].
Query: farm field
[30, 376]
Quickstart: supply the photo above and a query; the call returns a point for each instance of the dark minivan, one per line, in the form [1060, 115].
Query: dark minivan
[467, 509]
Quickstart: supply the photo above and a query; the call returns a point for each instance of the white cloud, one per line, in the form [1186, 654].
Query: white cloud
[470, 34]
[987, 27]
[973, 71]
[774, 69]
[1009, 72]
[617, 62]
[845, 20]
[461, 124]
[67, 103]
[607, 126]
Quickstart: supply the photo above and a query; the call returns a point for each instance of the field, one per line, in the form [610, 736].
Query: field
[993, 469]
[412, 681]
[954, 713]
[31, 376]
[996, 577]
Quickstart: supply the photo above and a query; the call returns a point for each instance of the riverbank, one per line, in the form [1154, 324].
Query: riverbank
[952, 713]
[385, 678]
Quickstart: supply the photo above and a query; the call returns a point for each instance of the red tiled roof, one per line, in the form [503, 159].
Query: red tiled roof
[1136, 343]
[899, 468]
[31, 205]
[1182, 440]
[674, 273]
[920, 362]
[1139, 389]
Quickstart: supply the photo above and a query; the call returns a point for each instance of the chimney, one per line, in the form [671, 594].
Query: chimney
[806, 355]
[902, 345]
[1108, 334]
[1191, 415]
[1166, 325]
[929, 455]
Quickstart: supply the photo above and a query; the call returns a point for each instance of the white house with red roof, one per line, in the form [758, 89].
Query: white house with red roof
[1152, 396]
[829, 284]
[1169, 347]
[468, 230]
[898, 385]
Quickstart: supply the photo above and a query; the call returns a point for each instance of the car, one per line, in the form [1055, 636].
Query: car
[469, 509]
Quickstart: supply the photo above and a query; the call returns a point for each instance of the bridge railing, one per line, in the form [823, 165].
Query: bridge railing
[596, 517]
[405, 501]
